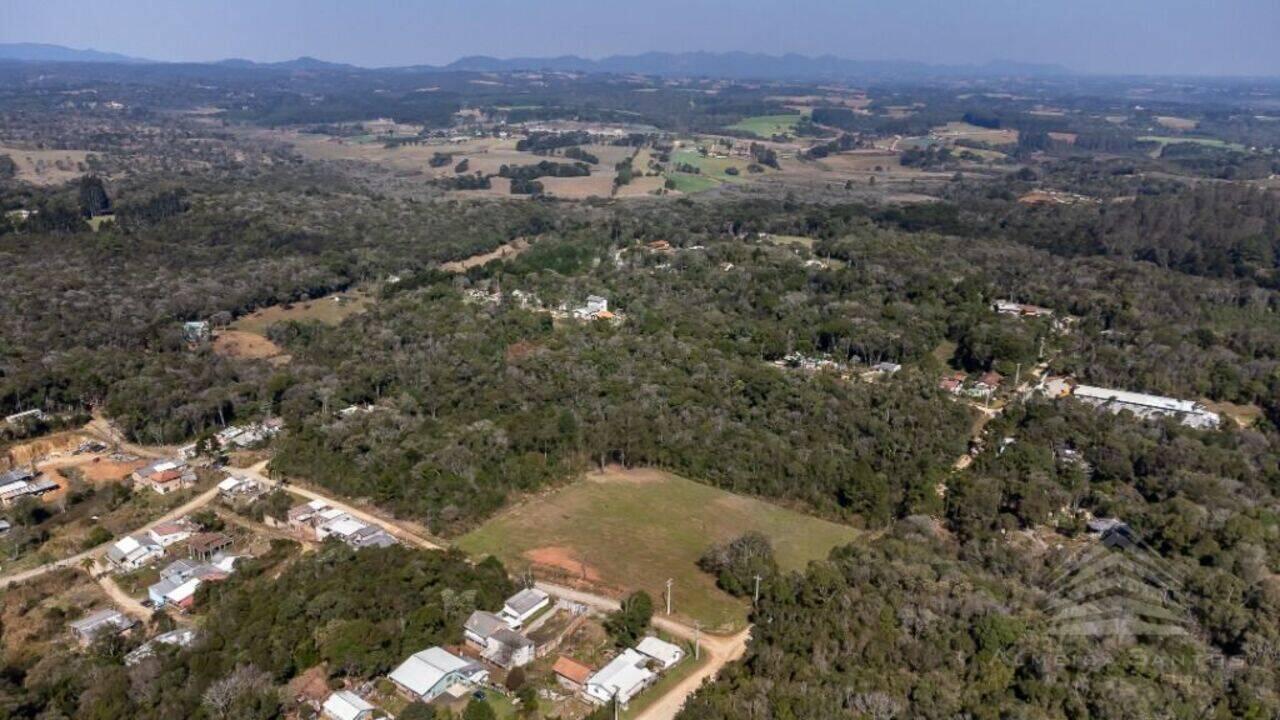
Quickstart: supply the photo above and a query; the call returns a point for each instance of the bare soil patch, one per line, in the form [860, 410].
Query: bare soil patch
[511, 249]
[247, 345]
[47, 167]
[563, 558]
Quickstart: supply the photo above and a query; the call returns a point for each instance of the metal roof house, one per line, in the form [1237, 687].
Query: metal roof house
[132, 552]
[623, 678]
[88, 628]
[664, 652]
[429, 674]
[524, 605]
[346, 705]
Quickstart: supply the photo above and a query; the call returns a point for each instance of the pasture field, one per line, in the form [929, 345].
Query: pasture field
[622, 530]
[1177, 123]
[1164, 140]
[766, 126]
[47, 167]
[688, 183]
[329, 310]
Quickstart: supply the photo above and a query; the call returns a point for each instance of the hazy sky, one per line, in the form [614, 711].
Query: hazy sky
[1112, 36]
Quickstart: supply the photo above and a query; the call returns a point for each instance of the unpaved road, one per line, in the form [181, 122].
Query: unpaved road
[186, 508]
[721, 649]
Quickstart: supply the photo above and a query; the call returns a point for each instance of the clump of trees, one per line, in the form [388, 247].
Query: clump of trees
[627, 625]
[737, 563]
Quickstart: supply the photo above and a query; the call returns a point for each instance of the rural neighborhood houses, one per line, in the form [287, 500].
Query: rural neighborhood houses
[571, 674]
[182, 637]
[435, 671]
[665, 653]
[165, 476]
[316, 520]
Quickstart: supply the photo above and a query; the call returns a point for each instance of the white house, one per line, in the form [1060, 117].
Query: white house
[166, 534]
[524, 605]
[433, 672]
[623, 678]
[346, 705]
[132, 552]
[498, 643]
[664, 652]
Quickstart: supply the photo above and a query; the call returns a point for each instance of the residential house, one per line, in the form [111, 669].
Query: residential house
[665, 653]
[987, 383]
[496, 642]
[626, 676]
[346, 705]
[953, 383]
[90, 627]
[183, 596]
[169, 533]
[158, 593]
[180, 569]
[1008, 307]
[571, 674]
[206, 545]
[1189, 413]
[132, 552]
[165, 476]
[342, 527]
[196, 331]
[886, 368]
[5, 526]
[596, 307]
[523, 605]
[370, 536]
[304, 518]
[434, 672]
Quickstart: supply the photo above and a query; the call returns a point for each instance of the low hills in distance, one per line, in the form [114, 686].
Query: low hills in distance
[731, 65]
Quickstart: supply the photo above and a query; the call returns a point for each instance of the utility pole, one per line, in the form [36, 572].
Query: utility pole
[669, 582]
[615, 703]
[1017, 376]
[757, 600]
[697, 640]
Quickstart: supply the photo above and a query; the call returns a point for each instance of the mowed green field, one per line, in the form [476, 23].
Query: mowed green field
[1207, 142]
[766, 126]
[713, 171]
[621, 530]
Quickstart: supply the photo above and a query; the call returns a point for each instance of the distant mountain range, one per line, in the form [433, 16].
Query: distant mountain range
[736, 65]
[39, 52]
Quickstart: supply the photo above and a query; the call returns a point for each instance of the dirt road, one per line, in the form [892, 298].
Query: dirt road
[122, 600]
[721, 649]
[76, 560]
[392, 528]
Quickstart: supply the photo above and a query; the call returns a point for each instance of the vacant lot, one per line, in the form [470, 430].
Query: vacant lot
[622, 530]
[1176, 123]
[247, 345]
[766, 126]
[330, 310]
[47, 167]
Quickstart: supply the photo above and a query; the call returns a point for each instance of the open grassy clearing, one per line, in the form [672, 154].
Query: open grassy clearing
[47, 167]
[1176, 123]
[958, 130]
[766, 126]
[1164, 140]
[622, 530]
[329, 310]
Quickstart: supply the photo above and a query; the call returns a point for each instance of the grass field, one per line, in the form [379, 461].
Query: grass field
[1207, 142]
[766, 126]
[687, 183]
[329, 310]
[620, 531]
